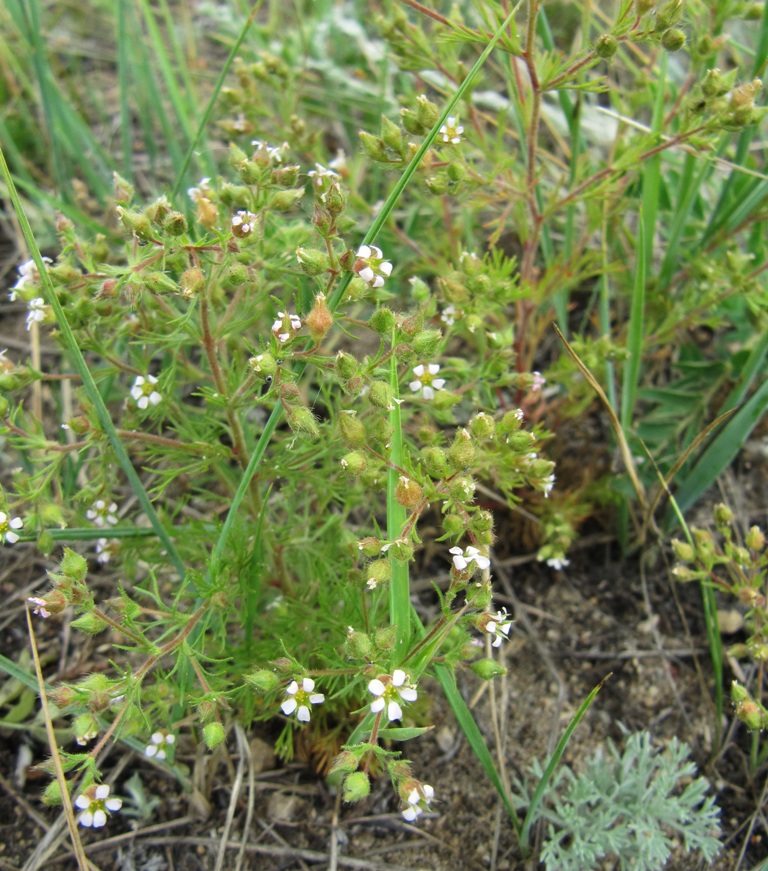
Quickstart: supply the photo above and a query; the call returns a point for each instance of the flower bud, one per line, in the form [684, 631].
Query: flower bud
[263, 365]
[408, 493]
[213, 734]
[73, 566]
[722, 514]
[358, 645]
[453, 525]
[354, 464]
[382, 321]
[52, 793]
[748, 711]
[192, 281]
[159, 282]
[426, 343]
[437, 185]
[335, 201]
[136, 223]
[427, 112]
[89, 623]
[284, 201]
[346, 365]
[322, 221]
[378, 572]
[320, 319]
[521, 441]
[488, 669]
[412, 123]
[352, 430]
[302, 420]
[286, 176]
[373, 147]
[754, 12]
[755, 540]
[391, 135]
[312, 261]
[263, 681]
[668, 15]
[683, 550]
[369, 546]
[345, 762]
[380, 395]
[462, 451]
[435, 462]
[122, 190]
[462, 489]
[234, 276]
[385, 638]
[175, 224]
[45, 541]
[400, 550]
[673, 39]
[357, 786]
[606, 46]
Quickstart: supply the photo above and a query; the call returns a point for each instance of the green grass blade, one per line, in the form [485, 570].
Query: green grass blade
[542, 785]
[85, 374]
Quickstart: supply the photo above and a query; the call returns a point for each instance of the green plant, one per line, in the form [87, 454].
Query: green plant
[631, 806]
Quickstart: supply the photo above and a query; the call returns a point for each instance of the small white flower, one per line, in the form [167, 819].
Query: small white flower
[451, 131]
[389, 692]
[322, 177]
[538, 381]
[144, 392]
[101, 513]
[243, 223]
[448, 316]
[371, 266]
[36, 309]
[425, 380]
[274, 153]
[558, 562]
[300, 698]
[7, 526]
[546, 485]
[462, 558]
[284, 325]
[157, 744]
[94, 804]
[499, 625]
[418, 799]
[41, 606]
[27, 275]
[202, 190]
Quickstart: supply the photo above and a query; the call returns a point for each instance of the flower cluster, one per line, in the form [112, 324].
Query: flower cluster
[94, 804]
[371, 266]
[144, 393]
[425, 380]
[462, 558]
[300, 698]
[8, 527]
[389, 692]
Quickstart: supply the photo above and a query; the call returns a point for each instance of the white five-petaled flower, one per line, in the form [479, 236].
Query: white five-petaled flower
[418, 799]
[451, 131]
[41, 606]
[144, 393]
[448, 315]
[201, 190]
[157, 744]
[36, 309]
[94, 804]
[284, 325]
[371, 266]
[558, 562]
[462, 558]
[322, 179]
[27, 275]
[8, 525]
[425, 380]
[498, 625]
[243, 224]
[300, 698]
[274, 153]
[389, 691]
[101, 512]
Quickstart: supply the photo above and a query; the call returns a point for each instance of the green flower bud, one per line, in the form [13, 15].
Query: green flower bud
[312, 261]
[391, 135]
[400, 550]
[373, 147]
[345, 762]
[438, 185]
[369, 546]
[454, 526]
[385, 638]
[462, 490]
[521, 441]
[668, 15]
[192, 281]
[213, 735]
[738, 692]
[378, 572]
[46, 543]
[488, 669]
[284, 201]
[673, 39]
[754, 12]
[286, 176]
[320, 320]
[234, 276]
[482, 426]
[412, 123]
[380, 394]
[462, 451]
[419, 289]
[354, 464]
[345, 364]
[4, 407]
[754, 539]
[335, 200]
[352, 430]
[122, 190]
[136, 223]
[456, 171]
[159, 282]
[52, 793]
[357, 786]
[606, 46]
[426, 112]
[73, 566]
[358, 645]
[263, 681]
[426, 343]
[722, 514]
[435, 462]
[90, 623]
[481, 525]
[683, 550]
[9, 381]
[175, 224]
[263, 365]
[322, 221]
[302, 420]
[382, 321]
